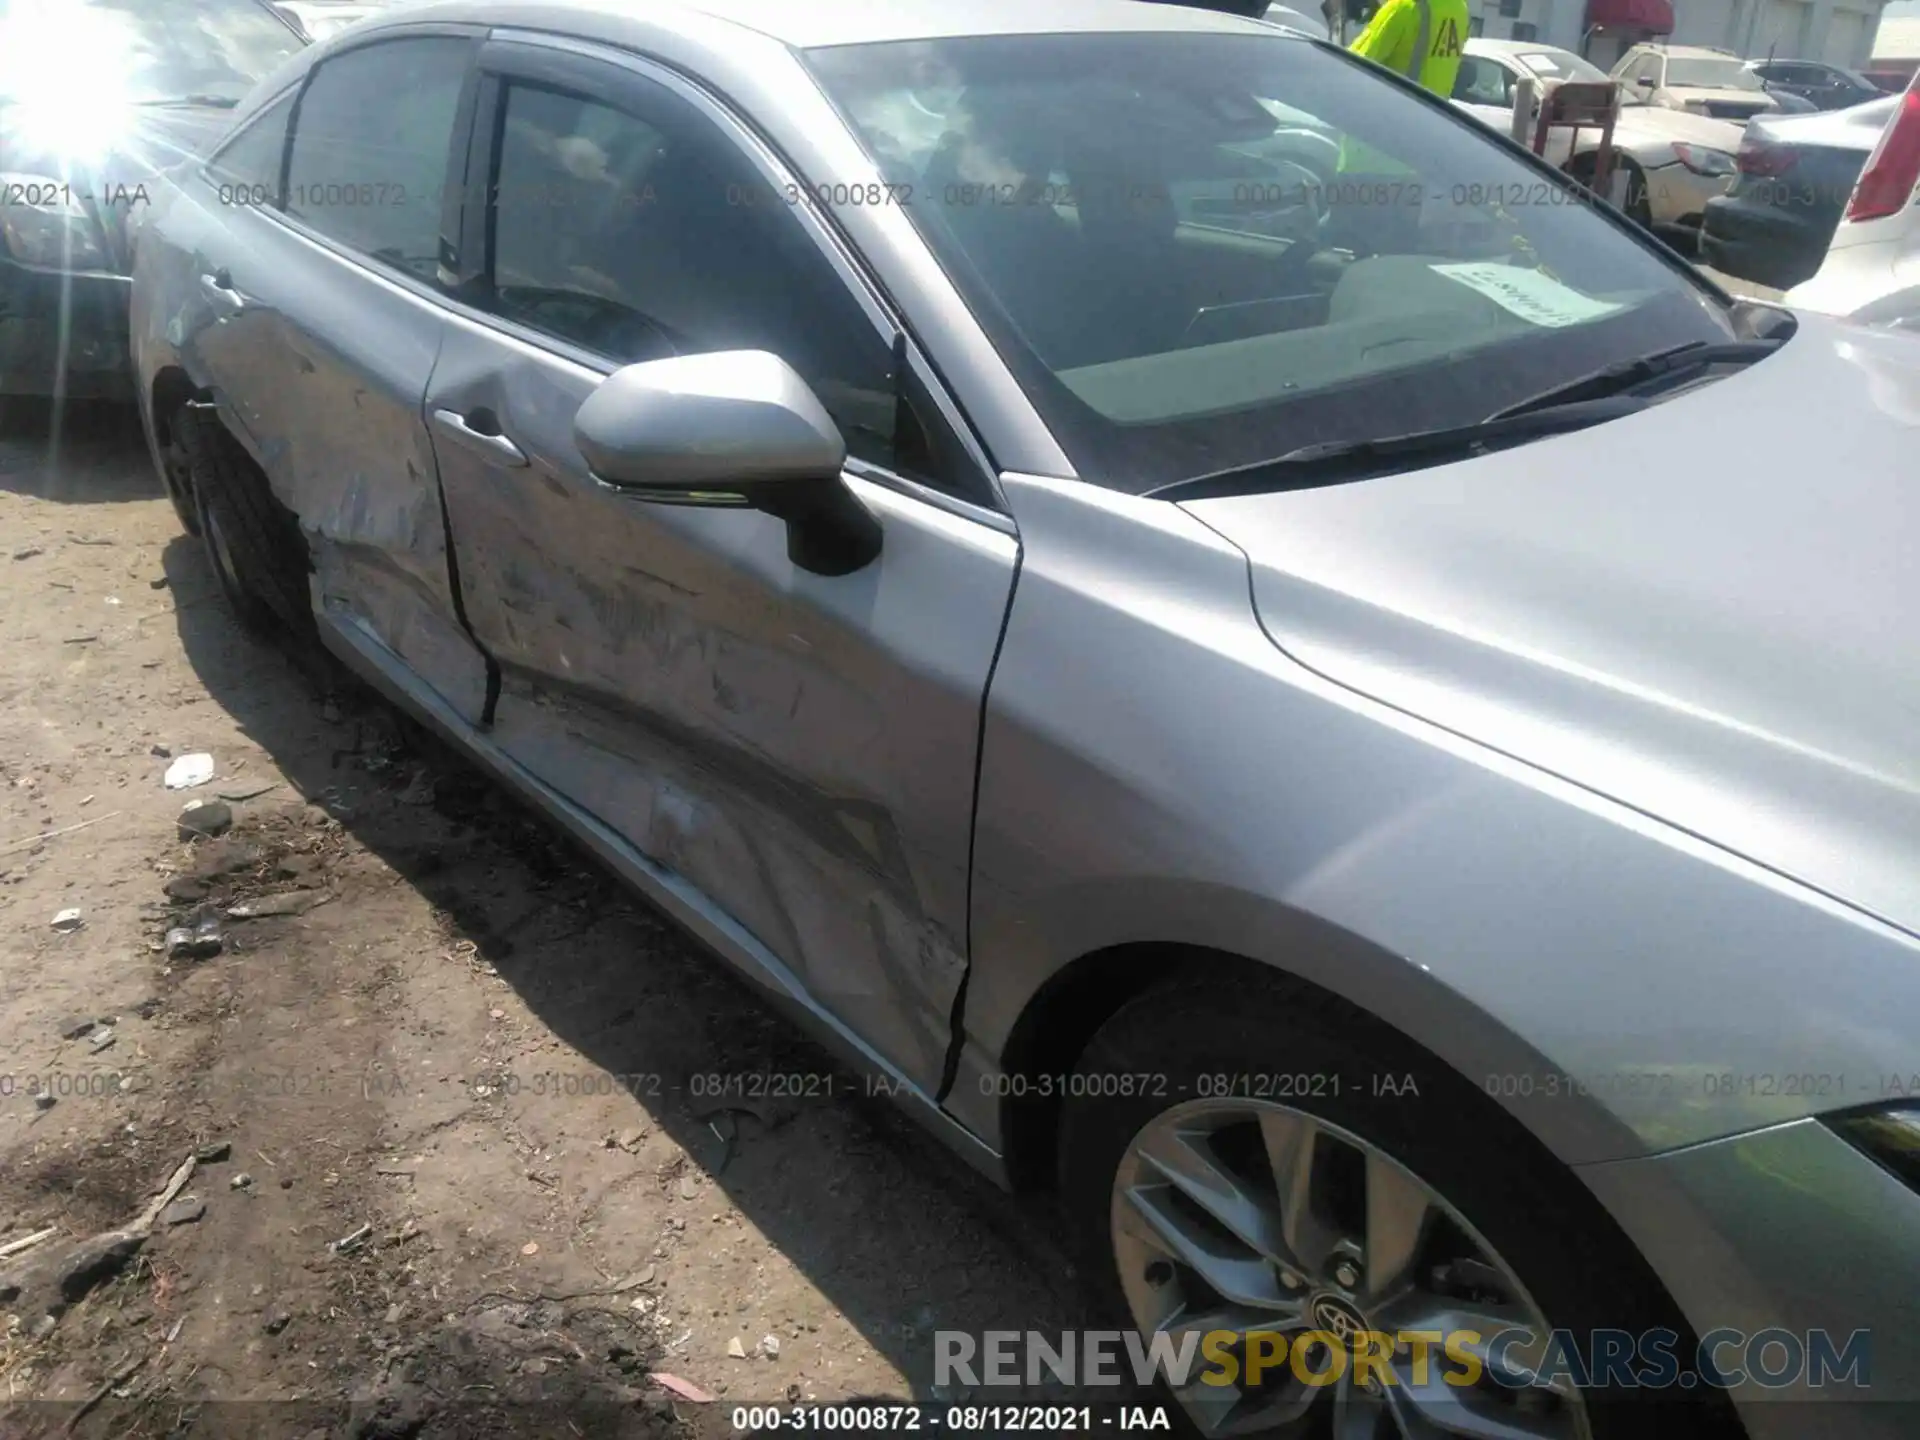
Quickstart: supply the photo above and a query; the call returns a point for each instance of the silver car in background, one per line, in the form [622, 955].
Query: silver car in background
[1357, 753]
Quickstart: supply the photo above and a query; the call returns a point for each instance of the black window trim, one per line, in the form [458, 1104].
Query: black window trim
[607, 75]
[208, 165]
[452, 199]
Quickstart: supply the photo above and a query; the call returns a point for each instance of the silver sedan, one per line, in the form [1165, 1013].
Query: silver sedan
[1371, 753]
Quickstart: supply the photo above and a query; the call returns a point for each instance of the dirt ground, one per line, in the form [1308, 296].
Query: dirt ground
[460, 1049]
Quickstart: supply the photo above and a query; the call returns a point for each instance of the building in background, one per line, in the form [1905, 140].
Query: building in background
[1896, 52]
[1838, 31]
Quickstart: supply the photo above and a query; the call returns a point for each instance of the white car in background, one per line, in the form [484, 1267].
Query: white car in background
[1668, 163]
[1299, 20]
[1872, 270]
[321, 18]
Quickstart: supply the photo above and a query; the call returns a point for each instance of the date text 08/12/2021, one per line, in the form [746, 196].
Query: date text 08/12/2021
[865, 1417]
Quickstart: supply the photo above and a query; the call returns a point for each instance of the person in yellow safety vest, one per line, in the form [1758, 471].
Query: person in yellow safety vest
[1420, 39]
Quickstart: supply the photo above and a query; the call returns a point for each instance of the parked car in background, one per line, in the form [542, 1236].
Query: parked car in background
[1871, 272]
[1246, 732]
[1694, 78]
[1796, 174]
[1293, 19]
[95, 97]
[1823, 86]
[321, 18]
[1669, 163]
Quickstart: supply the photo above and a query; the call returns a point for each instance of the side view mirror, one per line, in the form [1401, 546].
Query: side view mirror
[1643, 82]
[737, 428]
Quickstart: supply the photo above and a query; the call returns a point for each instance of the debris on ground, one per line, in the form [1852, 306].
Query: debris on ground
[184, 1211]
[242, 1181]
[199, 941]
[685, 1389]
[737, 1348]
[204, 819]
[769, 1347]
[351, 1241]
[75, 1026]
[101, 1039]
[189, 771]
[27, 1242]
[213, 1152]
[68, 920]
[292, 902]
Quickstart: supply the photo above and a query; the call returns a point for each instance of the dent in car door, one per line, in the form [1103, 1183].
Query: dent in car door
[800, 749]
[366, 181]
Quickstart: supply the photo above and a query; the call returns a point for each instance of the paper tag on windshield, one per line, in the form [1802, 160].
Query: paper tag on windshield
[1532, 296]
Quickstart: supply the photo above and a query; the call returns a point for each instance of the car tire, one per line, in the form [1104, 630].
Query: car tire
[1293, 1058]
[177, 474]
[1638, 206]
[252, 542]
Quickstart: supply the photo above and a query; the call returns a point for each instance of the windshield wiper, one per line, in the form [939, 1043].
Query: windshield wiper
[1631, 374]
[198, 102]
[1337, 460]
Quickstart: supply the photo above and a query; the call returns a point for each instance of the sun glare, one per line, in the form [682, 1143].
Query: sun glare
[67, 70]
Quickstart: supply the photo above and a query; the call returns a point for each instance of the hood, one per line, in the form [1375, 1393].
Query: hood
[1751, 101]
[1708, 611]
[117, 177]
[1657, 123]
[1720, 92]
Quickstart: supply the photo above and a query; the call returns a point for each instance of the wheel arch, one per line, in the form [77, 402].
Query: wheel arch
[1330, 967]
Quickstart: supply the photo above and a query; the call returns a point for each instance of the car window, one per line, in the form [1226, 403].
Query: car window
[1480, 81]
[249, 163]
[370, 147]
[138, 52]
[640, 238]
[1381, 264]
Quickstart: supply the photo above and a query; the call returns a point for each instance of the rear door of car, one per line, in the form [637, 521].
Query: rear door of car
[354, 272]
[792, 755]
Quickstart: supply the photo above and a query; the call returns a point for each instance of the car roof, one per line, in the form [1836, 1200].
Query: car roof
[1692, 52]
[826, 22]
[1485, 45]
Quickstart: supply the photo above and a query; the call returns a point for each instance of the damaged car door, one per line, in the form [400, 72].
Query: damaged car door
[793, 750]
[347, 260]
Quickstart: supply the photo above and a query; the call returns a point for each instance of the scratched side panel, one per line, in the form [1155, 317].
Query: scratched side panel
[799, 748]
[355, 462]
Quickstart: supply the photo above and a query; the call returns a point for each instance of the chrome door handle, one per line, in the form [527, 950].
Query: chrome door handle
[219, 292]
[495, 445]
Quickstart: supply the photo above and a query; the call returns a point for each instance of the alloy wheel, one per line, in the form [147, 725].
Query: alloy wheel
[1248, 1216]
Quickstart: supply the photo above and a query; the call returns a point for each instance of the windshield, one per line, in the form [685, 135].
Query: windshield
[1204, 250]
[116, 52]
[1712, 73]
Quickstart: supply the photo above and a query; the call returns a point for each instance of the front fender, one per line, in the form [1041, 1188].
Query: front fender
[1155, 770]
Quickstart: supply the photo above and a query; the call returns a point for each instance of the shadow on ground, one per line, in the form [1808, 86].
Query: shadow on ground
[896, 1234]
[95, 454]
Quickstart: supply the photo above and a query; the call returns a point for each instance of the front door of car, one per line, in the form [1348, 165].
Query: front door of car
[798, 749]
[346, 262]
